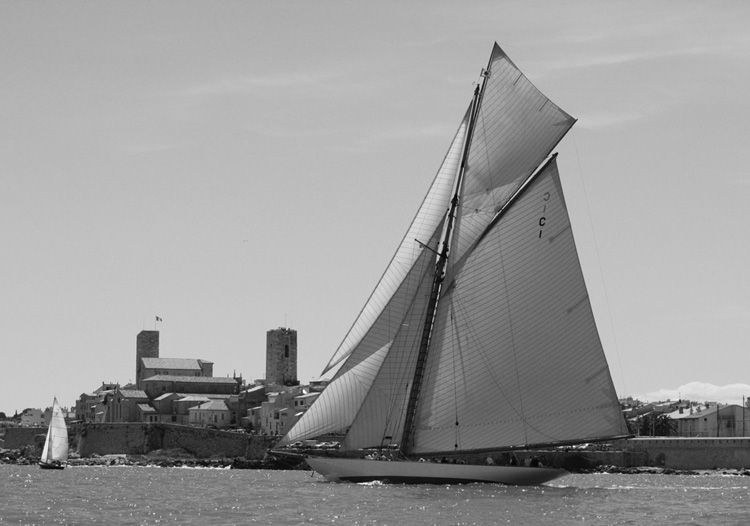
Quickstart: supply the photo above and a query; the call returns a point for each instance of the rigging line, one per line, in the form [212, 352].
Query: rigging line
[406, 359]
[486, 360]
[484, 137]
[506, 295]
[456, 376]
[471, 333]
[427, 247]
[599, 267]
[438, 277]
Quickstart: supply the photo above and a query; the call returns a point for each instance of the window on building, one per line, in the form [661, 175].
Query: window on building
[286, 351]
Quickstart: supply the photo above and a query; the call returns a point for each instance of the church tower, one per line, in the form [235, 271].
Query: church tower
[281, 356]
[146, 346]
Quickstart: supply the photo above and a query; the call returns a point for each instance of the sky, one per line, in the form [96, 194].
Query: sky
[233, 167]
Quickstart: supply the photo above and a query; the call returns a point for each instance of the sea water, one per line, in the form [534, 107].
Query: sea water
[118, 495]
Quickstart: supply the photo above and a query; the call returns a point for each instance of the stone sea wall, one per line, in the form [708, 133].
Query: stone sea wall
[92, 440]
[18, 437]
[141, 439]
[692, 453]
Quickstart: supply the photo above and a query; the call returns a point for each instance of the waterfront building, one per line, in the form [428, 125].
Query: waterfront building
[146, 413]
[121, 405]
[32, 417]
[156, 386]
[91, 404]
[303, 402]
[174, 408]
[211, 413]
[175, 367]
[276, 415]
[704, 420]
[318, 384]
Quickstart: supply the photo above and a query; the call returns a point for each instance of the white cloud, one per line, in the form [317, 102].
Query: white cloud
[700, 392]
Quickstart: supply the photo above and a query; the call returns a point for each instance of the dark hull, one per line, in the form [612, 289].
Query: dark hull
[51, 465]
[409, 472]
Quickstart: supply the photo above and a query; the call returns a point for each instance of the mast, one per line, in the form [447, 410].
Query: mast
[439, 275]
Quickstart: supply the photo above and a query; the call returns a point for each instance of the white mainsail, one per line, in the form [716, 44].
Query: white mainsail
[56, 443]
[516, 358]
[511, 354]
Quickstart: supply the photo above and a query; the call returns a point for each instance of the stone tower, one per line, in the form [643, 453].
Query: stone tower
[146, 346]
[281, 356]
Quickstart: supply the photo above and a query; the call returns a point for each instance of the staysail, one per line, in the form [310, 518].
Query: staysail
[359, 357]
[426, 222]
[336, 407]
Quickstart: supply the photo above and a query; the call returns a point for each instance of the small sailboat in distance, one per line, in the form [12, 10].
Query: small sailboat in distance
[55, 452]
[479, 339]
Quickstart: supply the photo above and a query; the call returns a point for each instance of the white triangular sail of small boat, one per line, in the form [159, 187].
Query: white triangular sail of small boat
[56, 444]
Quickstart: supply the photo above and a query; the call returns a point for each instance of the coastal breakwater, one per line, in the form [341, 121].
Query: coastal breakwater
[89, 440]
[141, 439]
[669, 453]
[690, 453]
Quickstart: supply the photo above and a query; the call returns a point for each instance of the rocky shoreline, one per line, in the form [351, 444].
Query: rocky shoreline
[166, 459]
[649, 470]
[180, 459]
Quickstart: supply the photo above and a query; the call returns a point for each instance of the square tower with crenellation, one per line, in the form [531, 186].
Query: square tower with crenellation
[146, 346]
[281, 356]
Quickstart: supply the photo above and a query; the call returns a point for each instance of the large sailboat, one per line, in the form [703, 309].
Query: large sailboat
[479, 337]
[55, 452]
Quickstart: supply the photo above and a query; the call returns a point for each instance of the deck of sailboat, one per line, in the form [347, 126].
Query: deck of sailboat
[413, 472]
